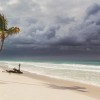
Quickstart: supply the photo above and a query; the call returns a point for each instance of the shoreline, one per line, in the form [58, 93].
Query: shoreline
[87, 89]
[57, 77]
[77, 87]
[61, 79]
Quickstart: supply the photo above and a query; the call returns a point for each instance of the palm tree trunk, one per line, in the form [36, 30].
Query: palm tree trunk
[2, 42]
[3, 36]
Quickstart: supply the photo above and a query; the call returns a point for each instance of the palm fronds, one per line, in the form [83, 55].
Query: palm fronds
[3, 23]
[13, 30]
[4, 31]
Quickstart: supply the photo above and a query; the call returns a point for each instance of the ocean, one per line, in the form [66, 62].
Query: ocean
[79, 71]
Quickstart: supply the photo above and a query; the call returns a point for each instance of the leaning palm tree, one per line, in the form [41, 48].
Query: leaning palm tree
[5, 31]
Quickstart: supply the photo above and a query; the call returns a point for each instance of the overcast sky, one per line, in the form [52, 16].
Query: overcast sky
[52, 25]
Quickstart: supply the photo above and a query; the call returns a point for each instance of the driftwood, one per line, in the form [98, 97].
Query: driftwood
[14, 70]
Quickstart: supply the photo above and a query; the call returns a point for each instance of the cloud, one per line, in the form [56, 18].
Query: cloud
[52, 23]
[87, 32]
[93, 10]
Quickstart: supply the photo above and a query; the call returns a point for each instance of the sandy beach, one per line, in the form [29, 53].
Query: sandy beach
[35, 87]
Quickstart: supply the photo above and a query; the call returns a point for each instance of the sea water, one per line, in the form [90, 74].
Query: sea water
[81, 71]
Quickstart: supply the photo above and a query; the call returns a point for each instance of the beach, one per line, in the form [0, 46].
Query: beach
[50, 50]
[29, 86]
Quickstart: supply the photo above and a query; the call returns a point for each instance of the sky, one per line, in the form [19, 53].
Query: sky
[52, 27]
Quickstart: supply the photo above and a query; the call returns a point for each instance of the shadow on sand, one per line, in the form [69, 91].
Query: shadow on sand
[76, 88]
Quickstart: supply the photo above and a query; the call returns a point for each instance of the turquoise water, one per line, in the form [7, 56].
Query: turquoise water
[84, 62]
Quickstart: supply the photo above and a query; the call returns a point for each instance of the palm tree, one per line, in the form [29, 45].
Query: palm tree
[4, 31]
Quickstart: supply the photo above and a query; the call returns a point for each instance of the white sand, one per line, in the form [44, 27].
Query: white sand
[19, 87]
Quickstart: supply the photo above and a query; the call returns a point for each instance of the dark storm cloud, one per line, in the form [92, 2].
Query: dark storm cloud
[52, 24]
[93, 10]
[91, 25]
[37, 27]
[85, 33]
[69, 41]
